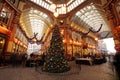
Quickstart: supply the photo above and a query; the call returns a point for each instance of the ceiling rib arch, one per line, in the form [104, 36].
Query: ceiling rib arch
[34, 21]
[91, 17]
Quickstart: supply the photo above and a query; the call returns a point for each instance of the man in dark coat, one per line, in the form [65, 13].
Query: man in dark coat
[117, 60]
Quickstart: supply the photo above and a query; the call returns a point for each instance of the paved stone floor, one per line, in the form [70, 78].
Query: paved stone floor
[94, 72]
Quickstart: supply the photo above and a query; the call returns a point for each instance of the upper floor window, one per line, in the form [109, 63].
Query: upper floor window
[118, 9]
[12, 1]
[4, 16]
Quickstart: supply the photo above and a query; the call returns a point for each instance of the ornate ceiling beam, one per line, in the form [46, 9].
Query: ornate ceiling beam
[17, 10]
[34, 5]
[81, 6]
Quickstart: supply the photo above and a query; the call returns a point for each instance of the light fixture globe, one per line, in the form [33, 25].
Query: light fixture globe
[53, 6]
[63, 8]
[56, 14]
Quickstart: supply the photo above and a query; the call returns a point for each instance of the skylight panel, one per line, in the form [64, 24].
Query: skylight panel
[83, 16]
[43, 3]
[74, 4]
[49, 1]
[34, 0]
[69, 2]
[90, 16]
[40, 2]
[47, 6]
[82, 11]
[77, 2]
[89, 7]
[34, 21]
[87, 13]
[35, 11]
[45, 15]
[69, 8]
[85, 9]
[78, 13]
[70, 5]
[37, 1]
[59, 5]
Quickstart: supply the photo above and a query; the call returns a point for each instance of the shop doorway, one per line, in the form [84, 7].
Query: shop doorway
[2, 43]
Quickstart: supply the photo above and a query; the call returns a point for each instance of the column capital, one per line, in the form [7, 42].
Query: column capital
[16, 18]
[116, 35]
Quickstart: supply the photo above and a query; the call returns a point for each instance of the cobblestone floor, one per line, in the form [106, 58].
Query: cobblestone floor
[94, 72]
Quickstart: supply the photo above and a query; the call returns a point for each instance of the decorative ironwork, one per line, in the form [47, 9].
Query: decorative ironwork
[91, 29]
[35, 40]
[105, 35]
[87, 32]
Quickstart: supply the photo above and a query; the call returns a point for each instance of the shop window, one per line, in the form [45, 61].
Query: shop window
[4, 16]
[2, 43]
[12, 1]
[118, 9]
[15, 2]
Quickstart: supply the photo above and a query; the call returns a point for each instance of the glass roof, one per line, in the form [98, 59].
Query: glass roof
[90, 16]
[34, 21]
[71, 4]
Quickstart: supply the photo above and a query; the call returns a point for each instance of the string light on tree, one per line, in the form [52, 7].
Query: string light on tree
[56, 61]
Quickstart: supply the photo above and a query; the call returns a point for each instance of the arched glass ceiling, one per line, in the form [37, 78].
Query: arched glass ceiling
[34, 21]
[70, 5]
[90, 16]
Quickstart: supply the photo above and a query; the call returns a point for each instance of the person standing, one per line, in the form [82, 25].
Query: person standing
[24, 59]
[117, 60]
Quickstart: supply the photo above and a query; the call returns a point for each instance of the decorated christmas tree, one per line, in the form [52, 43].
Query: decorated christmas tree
[55, 60]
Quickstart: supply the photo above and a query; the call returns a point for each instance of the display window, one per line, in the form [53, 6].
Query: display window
[2, 44]
[5, 16]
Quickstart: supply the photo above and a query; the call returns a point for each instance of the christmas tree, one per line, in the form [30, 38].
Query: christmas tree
[55, 59]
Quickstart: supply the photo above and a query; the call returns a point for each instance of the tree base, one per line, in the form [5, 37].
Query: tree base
[57, 70]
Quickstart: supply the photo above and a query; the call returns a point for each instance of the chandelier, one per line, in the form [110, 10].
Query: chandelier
[58, 8]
